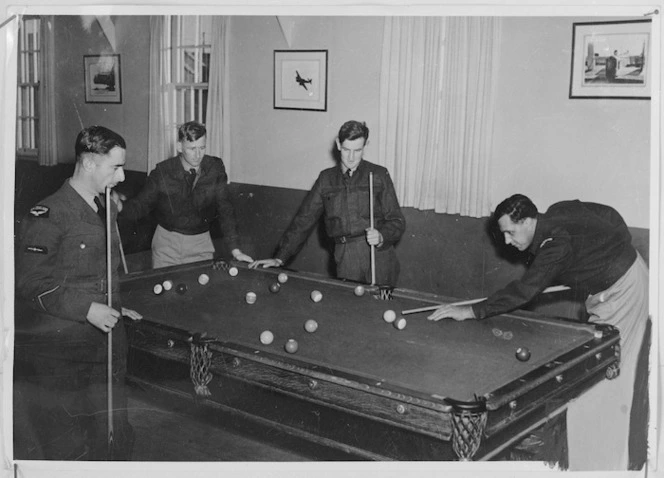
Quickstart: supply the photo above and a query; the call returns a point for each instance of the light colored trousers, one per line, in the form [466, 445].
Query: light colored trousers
[598, 421]
[172, 248]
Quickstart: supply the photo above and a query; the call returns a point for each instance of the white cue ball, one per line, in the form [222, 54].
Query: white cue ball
[316, 296]
[400, 324]
[311, 326]
[389, 316]
[158, 289]
[168, 284]
[282, 278]
[250, 297]
[203, 279]
[233, 271]
[267, 337]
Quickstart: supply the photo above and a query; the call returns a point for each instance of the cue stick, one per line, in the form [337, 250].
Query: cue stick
[122, 254]
[555, 288]
[371, 218]
[109, 285]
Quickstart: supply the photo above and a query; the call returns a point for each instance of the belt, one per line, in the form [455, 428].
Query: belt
[349, 238]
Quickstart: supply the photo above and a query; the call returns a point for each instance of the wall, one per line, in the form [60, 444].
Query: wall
[546, 145]
[288, 148]
[130, 118]
[551, 147]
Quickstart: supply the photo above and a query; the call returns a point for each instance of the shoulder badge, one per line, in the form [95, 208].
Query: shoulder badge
[39, 211]
[36, 249]
[545, 241]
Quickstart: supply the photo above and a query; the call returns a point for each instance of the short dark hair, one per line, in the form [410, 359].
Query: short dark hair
[97, 140]
[352, 130]
[517, 207]
[191, 131]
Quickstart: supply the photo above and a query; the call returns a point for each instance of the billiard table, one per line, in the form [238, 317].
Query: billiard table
[442, 390]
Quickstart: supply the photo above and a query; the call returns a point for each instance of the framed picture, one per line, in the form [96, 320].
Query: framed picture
[611, 60]
[102, 79]
[300, 80]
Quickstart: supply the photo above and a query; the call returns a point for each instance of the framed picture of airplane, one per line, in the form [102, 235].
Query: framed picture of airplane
[300, 80]
[611, 60]
[102, 79]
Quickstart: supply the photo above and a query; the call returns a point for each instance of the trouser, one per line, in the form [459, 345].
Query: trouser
[171, 248]
[353, 261]
[61, 392]
[598, 421]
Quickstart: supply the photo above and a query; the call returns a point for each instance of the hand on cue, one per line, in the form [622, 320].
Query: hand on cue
[451, 311]
[374, 237]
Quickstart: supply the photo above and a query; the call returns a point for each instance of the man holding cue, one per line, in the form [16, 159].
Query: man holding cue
[588, 247]
[343, 195]
[63, 319]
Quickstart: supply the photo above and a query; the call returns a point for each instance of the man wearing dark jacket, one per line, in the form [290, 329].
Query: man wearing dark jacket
[588, 247]
[63, 317]
[187, 193]
[341, 195]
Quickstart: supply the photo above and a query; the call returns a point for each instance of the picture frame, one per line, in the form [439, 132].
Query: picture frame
[103, 79]
[300, 80]
[611, 60]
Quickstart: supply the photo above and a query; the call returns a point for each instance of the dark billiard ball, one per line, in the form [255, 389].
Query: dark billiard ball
[274, 288]
[523, 354]
[181, 288]
[291, 346]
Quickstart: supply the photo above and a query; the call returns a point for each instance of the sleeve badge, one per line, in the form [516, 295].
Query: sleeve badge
[39, 211]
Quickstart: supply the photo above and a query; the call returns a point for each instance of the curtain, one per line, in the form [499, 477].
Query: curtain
[160, 135]
[436, 110]
[48, 139]
[218, 103]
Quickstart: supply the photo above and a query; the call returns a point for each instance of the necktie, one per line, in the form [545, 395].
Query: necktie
[101, 210]
[191, 178]
[347, 175]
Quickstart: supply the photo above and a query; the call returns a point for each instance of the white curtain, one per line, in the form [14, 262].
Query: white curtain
[160, 136]
[436, 110]
[48, 138]
[218, 103]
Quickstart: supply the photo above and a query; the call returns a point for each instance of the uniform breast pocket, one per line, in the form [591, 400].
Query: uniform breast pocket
[84, 251]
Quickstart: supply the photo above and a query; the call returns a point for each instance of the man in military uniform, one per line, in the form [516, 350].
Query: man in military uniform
[588, 247]
[341, 194]
[63, 319]
[187, 192]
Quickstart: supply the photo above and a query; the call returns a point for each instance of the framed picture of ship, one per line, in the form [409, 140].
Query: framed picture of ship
[102, 79]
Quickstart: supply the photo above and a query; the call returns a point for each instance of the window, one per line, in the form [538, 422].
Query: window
[27, 95]
[187, 67]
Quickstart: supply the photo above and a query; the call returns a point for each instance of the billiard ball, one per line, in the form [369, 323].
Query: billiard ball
[400, 323]
[250, 297]
[233, 271]
[523, 354]
[203, 279]
[291, 346]
[359, 291]
[389, 316]
[158, 289]
[181, 288]
[168, 284]
[282, 277]
[311, 326]
[267, 337]
[316, 296]
[274, 287]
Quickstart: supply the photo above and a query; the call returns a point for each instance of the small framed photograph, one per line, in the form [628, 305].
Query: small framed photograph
[611, 60]
[102, 79]
[300, 80]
